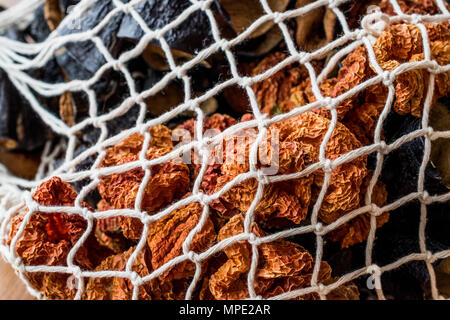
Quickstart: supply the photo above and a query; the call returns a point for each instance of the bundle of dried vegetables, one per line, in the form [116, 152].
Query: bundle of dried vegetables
[181, 253]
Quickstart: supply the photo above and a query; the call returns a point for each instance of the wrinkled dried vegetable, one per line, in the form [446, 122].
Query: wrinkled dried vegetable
[195, 203]
[48, 238]
[283, 266]
[168, 181]
[287, 203]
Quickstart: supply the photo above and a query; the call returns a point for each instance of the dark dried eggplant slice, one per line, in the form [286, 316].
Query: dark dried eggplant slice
[185, 40]
[401, 166]
[20, 127]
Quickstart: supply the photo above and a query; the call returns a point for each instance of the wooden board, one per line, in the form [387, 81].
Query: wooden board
[11, 287]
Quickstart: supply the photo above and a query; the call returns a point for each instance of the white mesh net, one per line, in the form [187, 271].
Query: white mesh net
[61, 159]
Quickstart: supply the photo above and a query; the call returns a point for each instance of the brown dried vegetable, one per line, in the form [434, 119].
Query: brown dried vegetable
[357, 230]
[288, 203]
[48, 238]
[403, 43]
[168, 181]
[399, 44]
[276, 89]
[167, 235]
[283, 266]
[117, 288]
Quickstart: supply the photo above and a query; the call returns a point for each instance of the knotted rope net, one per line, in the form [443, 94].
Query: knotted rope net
[60, 158]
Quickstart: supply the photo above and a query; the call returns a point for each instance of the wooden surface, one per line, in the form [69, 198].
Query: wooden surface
[11, 287]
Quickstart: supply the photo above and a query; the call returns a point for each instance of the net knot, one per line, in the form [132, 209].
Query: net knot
[382, 147]
[203, 5]
[134, 277]
[361, 34]
[327, 166]
[375, 22]
[318, 229]
[333, 4]
[19, 265]
[118, 65]
[262, 177]
[224, 44]
[321, 288]
[125, 8]
[303, 57]
[203, 199]
[139, 99]
[434, 67]
[429, 132]
[374, 270]
[146, 218]
[388, 78]
[85, 213]
[193, 257]
[277, 17]
[75, 271]
[328, 103]
[180, 72]
[425, 198]
[430, 257]
[375, 210]
[32, 205]
[415, 18]
[253, 239]
[96, 123]
[245, 82]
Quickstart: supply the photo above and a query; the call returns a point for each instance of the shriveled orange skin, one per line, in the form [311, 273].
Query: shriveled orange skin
[116, 288]
[357, 230]
[343, 191]
[287, 203]
[412, 7]
[400, 43]
[169, 180]
[216, 121]
[362, 120]
[48, 238]
[403, 43]
[282, 204]
[355, 70]
[272, 91]
[167, 235]
[283, 266]
[278, 259]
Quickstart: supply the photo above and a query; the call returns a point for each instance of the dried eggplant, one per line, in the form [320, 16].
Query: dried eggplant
[401, 166]
[185, 40]
[80, 60]
[21, 128]
[38, 29]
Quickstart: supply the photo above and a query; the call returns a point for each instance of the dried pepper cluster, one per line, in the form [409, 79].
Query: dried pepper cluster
[399, 44]
[47, 238]
[223, 276]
